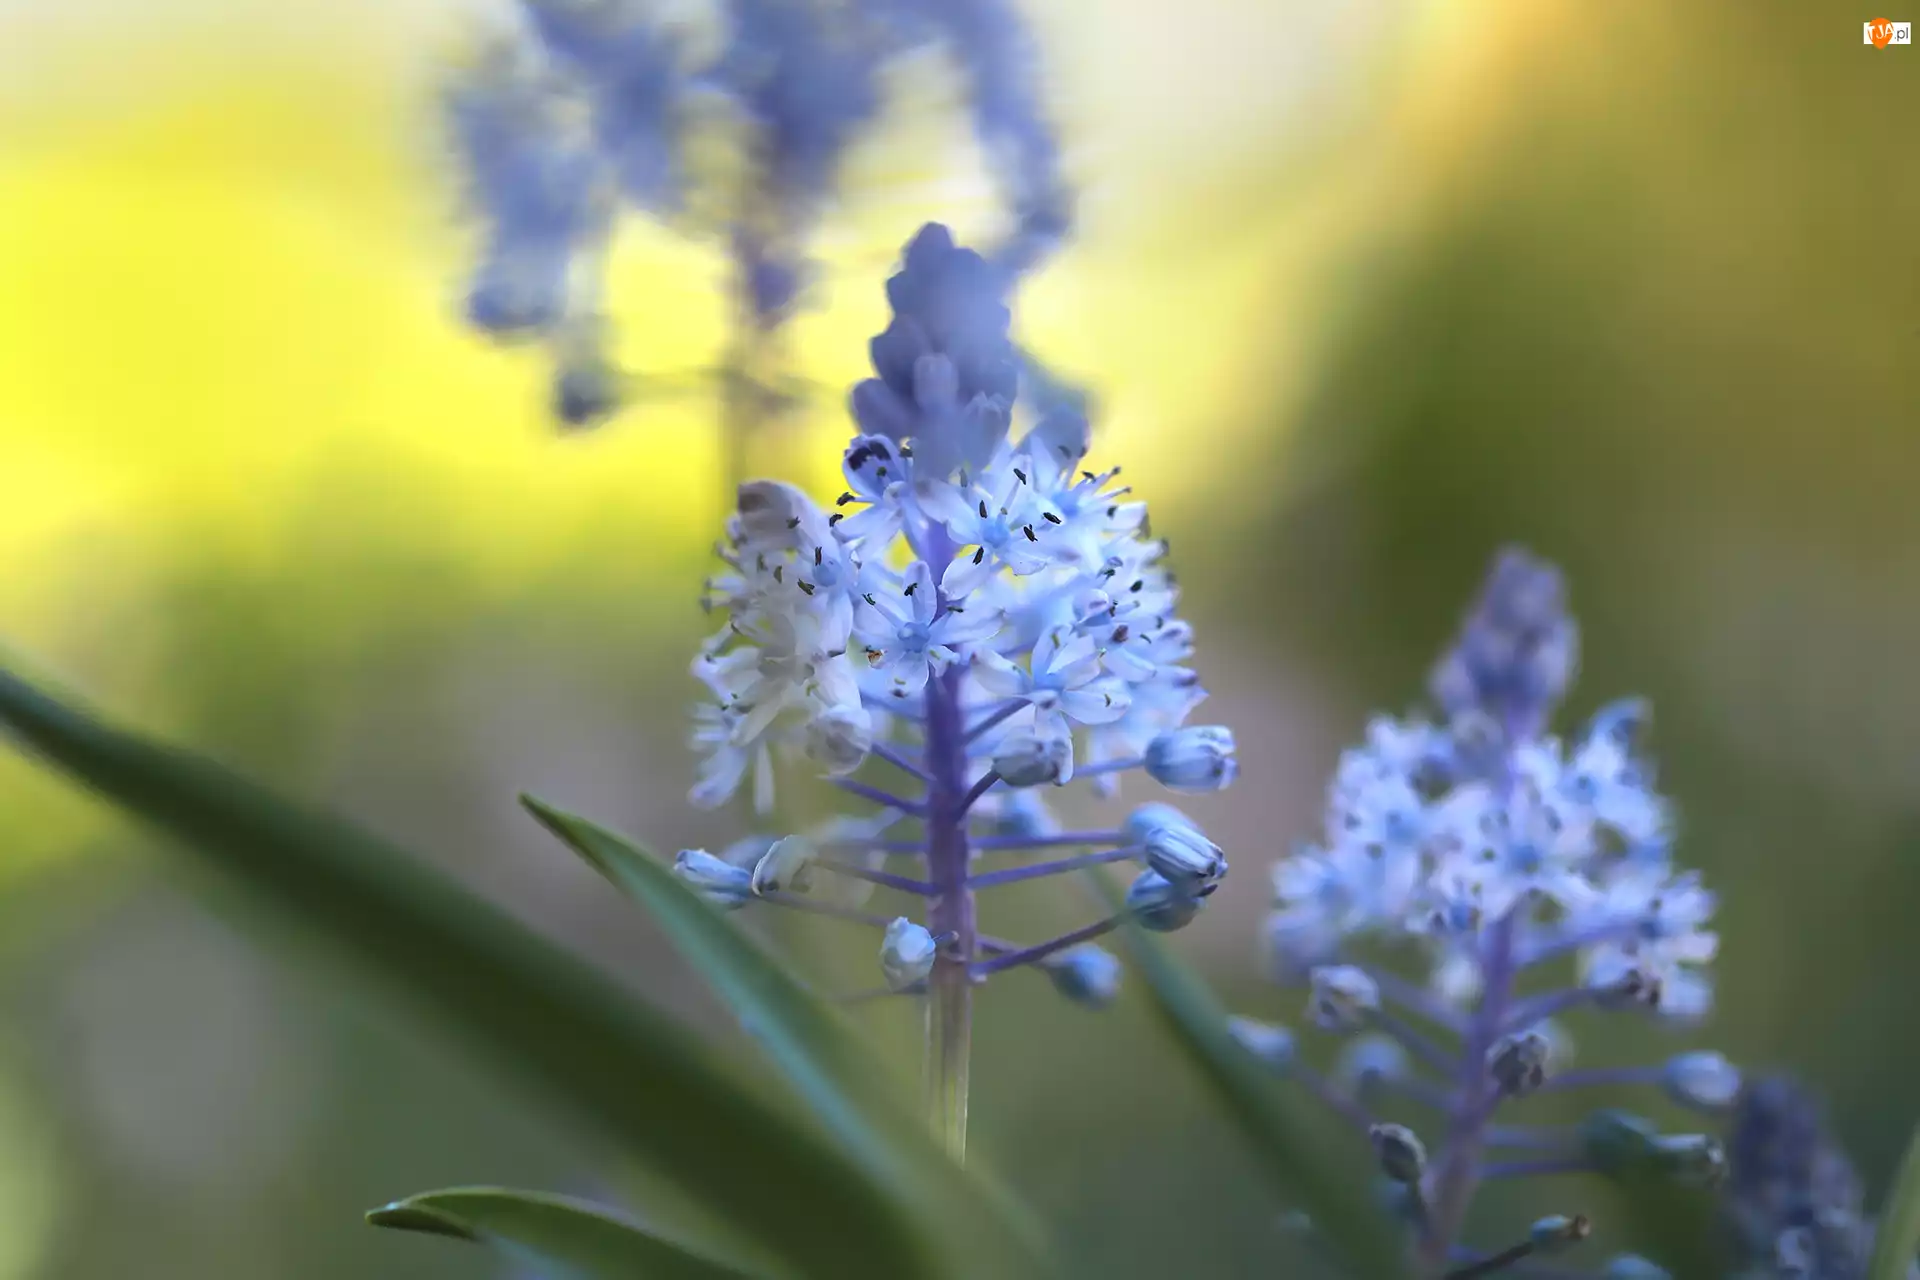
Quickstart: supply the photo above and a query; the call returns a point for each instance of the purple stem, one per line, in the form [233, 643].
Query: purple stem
[1005, 711]
[1570, 943]
[1538, 1168]
[987, 783]
[1459, 1163]
[1417, 1002]
[1603, 1078]
[1065, 839]
[1531, 1013]
[1040, 951]
[884, 752]
[1013, 875]
[1108, 766]
[905, 884]
[1342, 1104]
[885, 799]
[1415, 1043]
[1512, 1135]
[950, 907]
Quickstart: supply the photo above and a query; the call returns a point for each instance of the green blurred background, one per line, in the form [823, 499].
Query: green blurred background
[1365, 291]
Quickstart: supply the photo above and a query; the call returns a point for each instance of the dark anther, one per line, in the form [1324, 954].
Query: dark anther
[1052, 518]
[1021, 474]
[983, 508]
[1120, 634]
[836, 518]
[1028, 530]
[816, 555]
[910, 587]
[844, 499]
[868, 597]
[980, 553]
[1138, 583]
[777, 571]
[794, 523]
[804, 586]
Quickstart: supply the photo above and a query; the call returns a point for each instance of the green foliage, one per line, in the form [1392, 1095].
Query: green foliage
[818, 1054]
[1263, 1110]
[1898, 1235]
[624, 1068]
[553, 1232]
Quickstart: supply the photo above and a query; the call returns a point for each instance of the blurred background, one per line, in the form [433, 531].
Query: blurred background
[1365, 291]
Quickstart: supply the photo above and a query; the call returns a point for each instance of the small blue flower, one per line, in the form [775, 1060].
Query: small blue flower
[907, 953]
[1182, 855]
[1195, 759]
[1160, 905]
[1029, 758]
[721, 883]
[1705, 1081]
[1086, 975]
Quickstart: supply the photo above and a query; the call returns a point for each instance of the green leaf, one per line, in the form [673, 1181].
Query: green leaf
[625, 1069]
[1898, 1235]
[811, 1044]
[1332, 1192]
[554, 1231]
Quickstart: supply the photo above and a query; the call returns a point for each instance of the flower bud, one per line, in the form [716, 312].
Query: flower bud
[1368, 1061]
[906, 954]
[586, 390]
[1029, 759]
[1342, 997]
[1273, 1046]
[719, 882]
[1398, 1149]
[1703, 1081]
[1092, 603]
[1631, 1266]
[1144, 821]
[1085, 975]
[1519, 1063]
[1555, 1232]
[1015, 814]
[769, 511]
[1693, 1158]
[1618, 1142]
[1196, 759]
[786, 868]
[1180, 853]
[839, 739]
[1160, 905]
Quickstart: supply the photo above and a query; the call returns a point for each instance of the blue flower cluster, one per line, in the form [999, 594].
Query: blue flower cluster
[593, 106]
[1792, 1199]
[979, 615]
[1498, 854]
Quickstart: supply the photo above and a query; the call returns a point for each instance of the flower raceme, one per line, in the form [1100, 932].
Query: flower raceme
[977, 613]
[592, 107]
[1497, 853]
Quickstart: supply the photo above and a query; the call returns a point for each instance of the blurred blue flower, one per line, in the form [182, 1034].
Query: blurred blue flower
[591, 106]
[1496, 853]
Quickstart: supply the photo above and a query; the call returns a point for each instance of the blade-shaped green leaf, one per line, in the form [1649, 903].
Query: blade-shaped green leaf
[1332, 1192]
[1898, 1235]
[554, 1232]
[807, 1039]
[624, 1068]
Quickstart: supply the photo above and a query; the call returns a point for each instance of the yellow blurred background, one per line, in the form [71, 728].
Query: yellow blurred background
[1362, 289]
